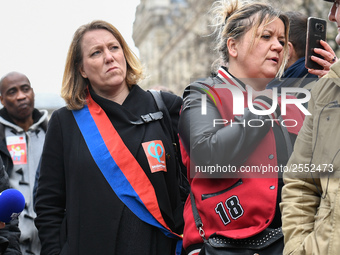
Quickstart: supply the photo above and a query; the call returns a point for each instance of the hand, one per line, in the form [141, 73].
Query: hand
[329, 59]
[2, 225]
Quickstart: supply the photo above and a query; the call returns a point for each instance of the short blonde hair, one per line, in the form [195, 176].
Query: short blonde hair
[233, 19]
[74, 85]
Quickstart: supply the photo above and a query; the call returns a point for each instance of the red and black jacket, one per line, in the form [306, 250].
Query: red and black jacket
[235, 204]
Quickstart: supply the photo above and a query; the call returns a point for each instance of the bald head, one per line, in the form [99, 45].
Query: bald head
[10, 76]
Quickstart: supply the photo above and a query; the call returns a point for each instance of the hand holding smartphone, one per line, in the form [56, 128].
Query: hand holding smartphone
[316, 31]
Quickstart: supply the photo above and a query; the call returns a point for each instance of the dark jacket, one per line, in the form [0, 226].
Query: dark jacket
[9, 236]
[77, 211]
[296, 75]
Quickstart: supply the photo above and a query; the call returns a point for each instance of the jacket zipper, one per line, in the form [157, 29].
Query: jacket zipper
[206, 196]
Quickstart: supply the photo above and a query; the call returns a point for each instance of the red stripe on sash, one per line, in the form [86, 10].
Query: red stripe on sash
[126, 161]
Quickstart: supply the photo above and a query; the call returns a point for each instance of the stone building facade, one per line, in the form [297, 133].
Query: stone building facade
[175, 41]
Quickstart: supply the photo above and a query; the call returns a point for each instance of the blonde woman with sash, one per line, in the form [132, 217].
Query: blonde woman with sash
[108, 171]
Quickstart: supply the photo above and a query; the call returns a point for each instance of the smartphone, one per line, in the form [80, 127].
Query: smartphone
[316, 31]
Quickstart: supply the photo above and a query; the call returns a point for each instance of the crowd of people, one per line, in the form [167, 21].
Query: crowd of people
[108, 173]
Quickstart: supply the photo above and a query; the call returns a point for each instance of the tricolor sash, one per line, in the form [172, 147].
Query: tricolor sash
[119, 167]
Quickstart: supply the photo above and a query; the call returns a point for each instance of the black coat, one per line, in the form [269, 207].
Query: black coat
[77, 211]
[9, 236]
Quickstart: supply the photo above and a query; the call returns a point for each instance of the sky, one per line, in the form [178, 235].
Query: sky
[35, 34]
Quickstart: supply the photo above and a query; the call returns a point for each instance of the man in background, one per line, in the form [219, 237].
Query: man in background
[296, 74]
[22, 134]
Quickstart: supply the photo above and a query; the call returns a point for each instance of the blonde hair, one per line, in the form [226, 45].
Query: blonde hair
[233, 19]
[74, 85]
